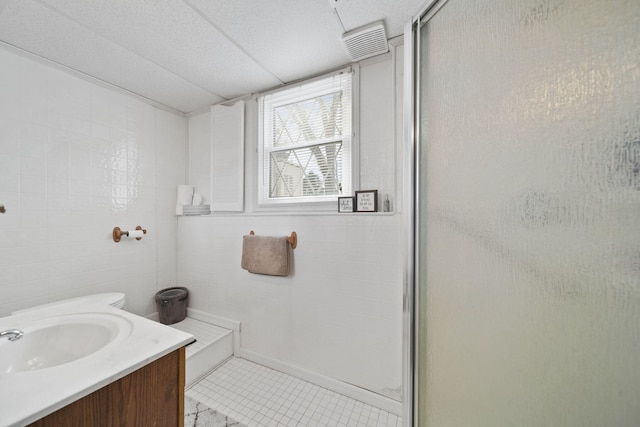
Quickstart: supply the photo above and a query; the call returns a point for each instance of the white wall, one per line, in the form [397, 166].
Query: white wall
[76, 160]
[199, 155]
[339, 313]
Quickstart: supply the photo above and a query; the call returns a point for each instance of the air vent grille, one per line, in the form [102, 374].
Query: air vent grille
[366, 41]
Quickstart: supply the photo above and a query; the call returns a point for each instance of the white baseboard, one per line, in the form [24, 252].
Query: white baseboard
[223, 322]
[357, 393]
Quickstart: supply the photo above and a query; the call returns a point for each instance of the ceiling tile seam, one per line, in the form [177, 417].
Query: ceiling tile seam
[232, 41]
[335, 11]
[89, 78]
[53, 9]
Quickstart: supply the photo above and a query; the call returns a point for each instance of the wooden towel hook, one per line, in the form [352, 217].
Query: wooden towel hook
[292, 239]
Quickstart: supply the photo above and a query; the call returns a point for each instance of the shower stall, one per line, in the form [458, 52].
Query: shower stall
[524, 122]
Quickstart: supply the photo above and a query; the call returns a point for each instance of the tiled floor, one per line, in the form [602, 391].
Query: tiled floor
[205, 333]
[258, 396]
[196, 414]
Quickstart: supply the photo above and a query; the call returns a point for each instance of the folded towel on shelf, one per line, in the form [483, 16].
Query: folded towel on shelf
[265, 255]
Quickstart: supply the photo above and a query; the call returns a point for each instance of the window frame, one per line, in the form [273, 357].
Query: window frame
[326, 202]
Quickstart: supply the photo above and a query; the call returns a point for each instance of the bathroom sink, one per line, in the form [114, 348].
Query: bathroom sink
[57, 340]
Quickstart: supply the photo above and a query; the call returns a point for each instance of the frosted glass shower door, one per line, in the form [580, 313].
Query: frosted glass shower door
[528, 256]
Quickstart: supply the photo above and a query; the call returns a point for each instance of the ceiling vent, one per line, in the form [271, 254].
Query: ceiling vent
[366, 41]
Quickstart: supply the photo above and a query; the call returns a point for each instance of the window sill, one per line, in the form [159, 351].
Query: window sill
[292, 213]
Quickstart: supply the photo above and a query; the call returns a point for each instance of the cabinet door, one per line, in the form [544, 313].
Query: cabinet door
[227, 158]
[151, 396]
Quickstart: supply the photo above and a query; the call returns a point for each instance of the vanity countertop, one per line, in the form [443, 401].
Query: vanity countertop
[28, 395]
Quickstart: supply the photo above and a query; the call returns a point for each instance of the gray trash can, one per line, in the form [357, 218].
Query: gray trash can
[172, 304]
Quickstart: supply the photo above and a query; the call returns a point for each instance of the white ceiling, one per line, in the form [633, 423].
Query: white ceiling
[188, 54]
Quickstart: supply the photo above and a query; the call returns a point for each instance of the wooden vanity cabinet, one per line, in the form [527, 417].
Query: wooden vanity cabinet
[151, 396]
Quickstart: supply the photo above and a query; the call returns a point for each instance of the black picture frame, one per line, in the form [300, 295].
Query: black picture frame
[346, 204]
[366, 201]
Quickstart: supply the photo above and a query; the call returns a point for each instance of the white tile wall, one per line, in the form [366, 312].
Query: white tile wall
[339, 313]
[377, 148]
[77, 159]
[200, 155]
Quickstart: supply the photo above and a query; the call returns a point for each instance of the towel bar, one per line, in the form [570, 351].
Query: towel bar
[293, 239]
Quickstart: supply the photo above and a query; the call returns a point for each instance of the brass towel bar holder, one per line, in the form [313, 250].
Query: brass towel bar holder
[293, 239]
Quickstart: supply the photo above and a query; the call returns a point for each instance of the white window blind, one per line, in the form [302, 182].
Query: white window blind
[306, 141]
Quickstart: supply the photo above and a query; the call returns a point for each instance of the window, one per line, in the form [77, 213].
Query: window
[306, 141]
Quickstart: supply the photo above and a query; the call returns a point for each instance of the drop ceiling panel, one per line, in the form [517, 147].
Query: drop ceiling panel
[292, 38]
[173, 35]
[188, 54]
[37, 29]
[394, 13]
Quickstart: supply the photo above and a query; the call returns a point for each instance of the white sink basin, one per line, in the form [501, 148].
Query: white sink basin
[71, 349]
[54, 341]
